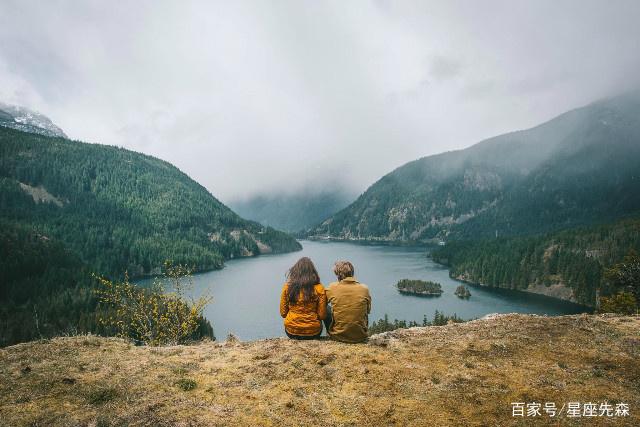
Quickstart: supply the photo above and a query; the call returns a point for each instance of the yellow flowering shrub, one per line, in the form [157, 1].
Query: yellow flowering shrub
[162, 314]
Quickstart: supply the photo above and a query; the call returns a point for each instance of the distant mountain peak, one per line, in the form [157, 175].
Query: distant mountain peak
[26, 120]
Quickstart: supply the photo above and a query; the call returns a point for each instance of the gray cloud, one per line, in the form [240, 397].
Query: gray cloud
[444, 68]
[250, 97]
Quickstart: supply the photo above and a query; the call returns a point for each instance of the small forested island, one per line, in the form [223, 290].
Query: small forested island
[462, 292]
[419, 287]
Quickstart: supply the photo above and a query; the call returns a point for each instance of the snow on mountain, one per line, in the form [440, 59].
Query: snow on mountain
[24, 119]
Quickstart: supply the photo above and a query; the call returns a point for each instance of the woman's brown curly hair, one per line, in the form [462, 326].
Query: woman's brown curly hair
[302, 277]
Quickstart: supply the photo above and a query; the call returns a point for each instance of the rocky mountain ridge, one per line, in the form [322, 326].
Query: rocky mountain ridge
[26, 120]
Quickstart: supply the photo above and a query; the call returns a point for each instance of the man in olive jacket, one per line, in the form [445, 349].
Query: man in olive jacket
[350, 306]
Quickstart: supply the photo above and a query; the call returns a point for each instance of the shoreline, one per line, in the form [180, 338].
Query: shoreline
[430, 246]
[222, 267]
[371, 242]
[420, 294]
[589, 308]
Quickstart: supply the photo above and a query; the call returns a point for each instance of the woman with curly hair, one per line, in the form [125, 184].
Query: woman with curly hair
[303, 304]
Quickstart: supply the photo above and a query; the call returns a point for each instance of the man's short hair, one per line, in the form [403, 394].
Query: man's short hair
[343, 269]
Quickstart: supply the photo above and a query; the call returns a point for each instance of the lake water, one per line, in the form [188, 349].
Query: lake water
[246, 292]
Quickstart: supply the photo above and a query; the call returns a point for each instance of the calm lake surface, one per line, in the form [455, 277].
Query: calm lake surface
[246, 292]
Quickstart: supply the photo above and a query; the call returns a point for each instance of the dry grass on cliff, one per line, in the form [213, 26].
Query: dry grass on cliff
[462, 374]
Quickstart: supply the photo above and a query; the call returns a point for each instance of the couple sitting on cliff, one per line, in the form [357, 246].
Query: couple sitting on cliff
[344, 305]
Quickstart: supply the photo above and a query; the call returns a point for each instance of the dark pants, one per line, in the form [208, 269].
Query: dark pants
[303, 337]
[329, 319]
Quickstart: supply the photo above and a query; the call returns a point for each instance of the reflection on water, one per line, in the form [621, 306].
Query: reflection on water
[246, 292]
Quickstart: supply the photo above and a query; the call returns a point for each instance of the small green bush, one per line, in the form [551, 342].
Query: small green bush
[621, 290]
[102, 395]
[622, 303]
[186, 384]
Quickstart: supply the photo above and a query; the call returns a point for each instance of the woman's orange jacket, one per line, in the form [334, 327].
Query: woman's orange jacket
[303, 318]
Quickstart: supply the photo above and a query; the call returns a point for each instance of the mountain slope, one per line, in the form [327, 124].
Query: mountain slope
[24, 119]
[578, 168]
[566, 264]
[293, 212]
[465, 374]
[69, 209]
[45, 290]
[119, 210]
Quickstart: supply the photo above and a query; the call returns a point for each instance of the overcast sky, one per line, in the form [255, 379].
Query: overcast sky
[256, 97]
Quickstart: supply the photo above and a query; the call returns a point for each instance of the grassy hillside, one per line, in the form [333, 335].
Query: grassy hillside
[458, 374]
[579, 168]
[68, 209]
